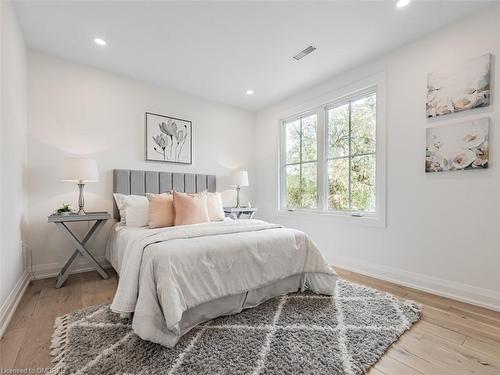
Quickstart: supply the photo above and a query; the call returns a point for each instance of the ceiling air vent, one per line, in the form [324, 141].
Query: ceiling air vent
[306, 51]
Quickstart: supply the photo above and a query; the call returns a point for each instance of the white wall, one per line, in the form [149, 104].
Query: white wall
[78, 110]
[13, 160]
[443, 230]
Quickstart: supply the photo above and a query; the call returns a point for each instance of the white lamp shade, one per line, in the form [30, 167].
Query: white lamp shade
[239, 179]
[80, 169]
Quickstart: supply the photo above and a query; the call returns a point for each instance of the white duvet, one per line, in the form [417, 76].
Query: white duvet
[164, 272]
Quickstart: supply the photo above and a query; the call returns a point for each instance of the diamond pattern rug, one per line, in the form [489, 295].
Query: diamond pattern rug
[300, 333]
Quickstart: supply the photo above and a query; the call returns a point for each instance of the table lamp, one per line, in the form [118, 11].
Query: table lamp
[80, 170]
[238, 180]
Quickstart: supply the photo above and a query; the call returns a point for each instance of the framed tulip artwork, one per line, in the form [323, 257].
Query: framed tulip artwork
[459, 88]
[459, 146]
[168, 139]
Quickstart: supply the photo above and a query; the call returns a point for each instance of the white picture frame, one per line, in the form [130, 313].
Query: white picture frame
[168, 139]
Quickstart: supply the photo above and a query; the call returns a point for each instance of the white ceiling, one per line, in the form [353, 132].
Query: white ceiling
[219, 50]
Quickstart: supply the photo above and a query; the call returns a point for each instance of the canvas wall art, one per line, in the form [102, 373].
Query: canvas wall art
[168, 139]
[459, 88]
[458, 146]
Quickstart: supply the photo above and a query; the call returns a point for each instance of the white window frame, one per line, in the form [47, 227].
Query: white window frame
[320, 106]
[285, 164]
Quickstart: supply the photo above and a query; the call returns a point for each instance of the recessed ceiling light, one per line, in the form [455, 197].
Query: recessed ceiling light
[402, 3]
[250, 92]
[100, 41]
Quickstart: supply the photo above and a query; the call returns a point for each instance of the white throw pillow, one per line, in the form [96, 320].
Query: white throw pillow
[120, 203]
[214, 206]
[134, 209]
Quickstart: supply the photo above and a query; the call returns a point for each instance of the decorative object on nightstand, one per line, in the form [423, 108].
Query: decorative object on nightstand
[60, 221]
[65, 210]
[236, 212]
[81, 171]
[238, 180]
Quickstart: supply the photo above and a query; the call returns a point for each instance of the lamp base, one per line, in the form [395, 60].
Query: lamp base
[81, 201]
[237, 197]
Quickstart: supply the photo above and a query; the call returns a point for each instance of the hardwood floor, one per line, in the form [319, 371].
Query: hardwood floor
[452, 338]
[26, 345]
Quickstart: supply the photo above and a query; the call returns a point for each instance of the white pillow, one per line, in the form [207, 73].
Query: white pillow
[120, 203]
[214, 206]
[134, 209]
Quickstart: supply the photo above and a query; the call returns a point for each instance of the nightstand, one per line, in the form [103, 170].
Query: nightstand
[236, 212]
[60, 221]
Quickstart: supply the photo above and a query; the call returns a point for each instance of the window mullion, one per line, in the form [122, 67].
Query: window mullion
[321, 177]
[350, 155]
[300, 164]
[283, 200]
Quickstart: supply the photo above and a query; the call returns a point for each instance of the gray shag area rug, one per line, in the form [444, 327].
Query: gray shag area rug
[299, 333]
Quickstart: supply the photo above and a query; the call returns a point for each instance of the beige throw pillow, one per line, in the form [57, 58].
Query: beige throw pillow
[190, 208]
[161, 210]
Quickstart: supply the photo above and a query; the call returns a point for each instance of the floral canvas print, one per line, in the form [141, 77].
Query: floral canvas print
[458, 146]
[168, 139]
[463, 87]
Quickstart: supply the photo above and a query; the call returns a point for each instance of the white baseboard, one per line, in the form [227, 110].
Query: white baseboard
[44, 271]
[474, 295]
[9, 306]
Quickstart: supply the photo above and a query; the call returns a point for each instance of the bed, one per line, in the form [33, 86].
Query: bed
[175, 278]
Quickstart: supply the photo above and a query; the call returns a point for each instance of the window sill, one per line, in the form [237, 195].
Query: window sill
[368, 219]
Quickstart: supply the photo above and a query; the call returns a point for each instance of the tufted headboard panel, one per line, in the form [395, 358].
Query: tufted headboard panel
[133, 182]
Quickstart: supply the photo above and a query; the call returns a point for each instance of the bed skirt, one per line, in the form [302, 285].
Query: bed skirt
[223, 306]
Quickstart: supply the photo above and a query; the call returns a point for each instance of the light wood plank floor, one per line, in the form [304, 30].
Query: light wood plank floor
[453, 338]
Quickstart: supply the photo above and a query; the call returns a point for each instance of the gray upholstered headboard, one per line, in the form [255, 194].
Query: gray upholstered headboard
[126, 181]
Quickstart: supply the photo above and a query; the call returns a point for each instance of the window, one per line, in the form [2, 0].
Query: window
[301, 161]
[351, 154]
[332, 157]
